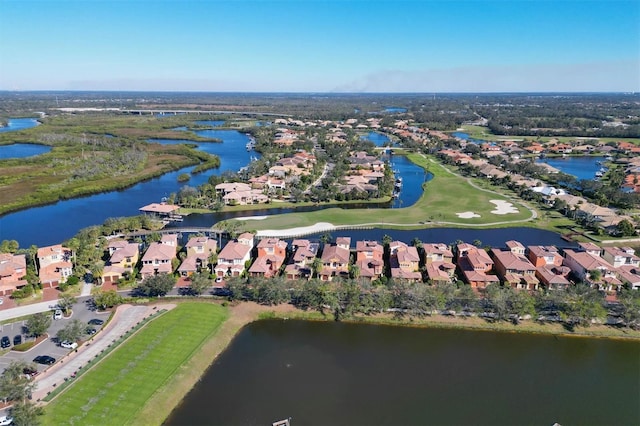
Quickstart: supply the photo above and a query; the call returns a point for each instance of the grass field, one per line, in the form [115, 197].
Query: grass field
[116, 389]
[444, 196]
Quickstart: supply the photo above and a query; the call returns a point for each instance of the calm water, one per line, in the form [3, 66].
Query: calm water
[15, 124]
[466, 137]
[379, 139]
[395, 109]
[22, 150]
[346, 374]
[580, 167]
[212, 123]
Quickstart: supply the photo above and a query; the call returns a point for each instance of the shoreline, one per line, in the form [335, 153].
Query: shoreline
[160, 406]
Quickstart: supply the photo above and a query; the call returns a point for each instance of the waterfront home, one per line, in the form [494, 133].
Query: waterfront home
[439, 272]
[369, 259]
[233, 257]
[123, 258]
[159, 210]
[514, 269]
[335, 259]
[553, 277]
[544, 255]
[630, 275]
[54, 263]
[158, 259]
[437, 252]
[583, 265]
[271, 255]
[475, 266]
[404, 261]
[13, 269]
[305, 252]
[199, 250]
[621, 256]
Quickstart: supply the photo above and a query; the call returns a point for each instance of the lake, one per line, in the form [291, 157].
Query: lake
[581, 167]
[15, 124]
[348, 374]
[22, 150]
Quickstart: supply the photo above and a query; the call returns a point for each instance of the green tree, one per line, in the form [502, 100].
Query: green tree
[582, 305]
[157, 285]
[71, 332]
[9, 246]
[630, 307]
[625, 228]
[26, 413]
[199, 283]
[14, 384]
[38, 323]
[106, 299]
[66, 302]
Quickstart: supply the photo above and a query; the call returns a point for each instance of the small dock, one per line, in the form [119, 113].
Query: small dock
[285, 422]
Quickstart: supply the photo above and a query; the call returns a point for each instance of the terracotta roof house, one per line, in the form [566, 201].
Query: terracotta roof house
[438, 252]
[590, 248]
[625, 256]
[13, 269]
[553, 277]
[515, 269]
[475, 265]
[199, 250]
[271, 255]
[54, 264]
[630, 275]
[234, 255]
[404, 261]
[544, 255]
[369, 259]
[124, 257]
[303, 256]
[582, 263]
[157, 260]
[440, 272]
[335, 260]
[159, 209]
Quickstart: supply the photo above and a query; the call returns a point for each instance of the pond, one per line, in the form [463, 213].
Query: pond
[350, 374]
[583, 167]
[15, 124]
[22, 150]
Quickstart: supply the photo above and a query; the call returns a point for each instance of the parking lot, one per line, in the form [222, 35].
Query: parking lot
[82, 311]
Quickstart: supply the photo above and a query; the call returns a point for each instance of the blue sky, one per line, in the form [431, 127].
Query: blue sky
[321, 46]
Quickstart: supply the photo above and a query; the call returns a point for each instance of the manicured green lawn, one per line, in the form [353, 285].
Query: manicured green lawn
[117, 388]
[444, 196]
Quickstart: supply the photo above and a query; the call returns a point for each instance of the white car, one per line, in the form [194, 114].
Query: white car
[57, 314]
[69, 345]
[6, 420]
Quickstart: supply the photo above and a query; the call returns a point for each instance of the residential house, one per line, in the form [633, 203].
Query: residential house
[553, 277]
[514, 268]
[404, 261]
[335, 259]
[271, 255]
[199, 251]
[158, 259]
[617, 257]
[439, 265]
[233, 257]
[54, 263]
[369, 259]
[123, 258]
[630, 275]
[13, 269]
[583, 265]
[544, 256]
[475, 266]
[305, 252]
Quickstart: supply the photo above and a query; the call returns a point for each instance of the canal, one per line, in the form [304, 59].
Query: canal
[348, 374]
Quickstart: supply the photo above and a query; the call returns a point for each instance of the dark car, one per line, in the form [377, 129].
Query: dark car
[44, 359]
[96, 321]
[17, 339]
[30, 371]
[90, 331]
[5, 342]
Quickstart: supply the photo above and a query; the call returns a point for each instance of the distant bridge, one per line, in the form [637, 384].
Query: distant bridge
[196, 111]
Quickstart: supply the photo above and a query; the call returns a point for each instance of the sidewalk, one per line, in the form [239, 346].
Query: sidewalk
[126, 317]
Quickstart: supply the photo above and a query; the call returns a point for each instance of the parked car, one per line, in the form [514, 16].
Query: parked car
[44, 359]
[5, 342]
[90, 331]
[96, 321]
[30, 371]
[69, 345]
[1, 300]
[57, 314]
[6, 420]
[17, 339]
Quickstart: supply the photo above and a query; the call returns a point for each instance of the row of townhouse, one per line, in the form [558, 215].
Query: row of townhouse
[54, 266]
[535, 266]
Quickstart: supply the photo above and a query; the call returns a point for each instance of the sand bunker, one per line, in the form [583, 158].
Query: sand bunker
[467, 215]
[251, 218]
[503, 207]
[292, 232]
